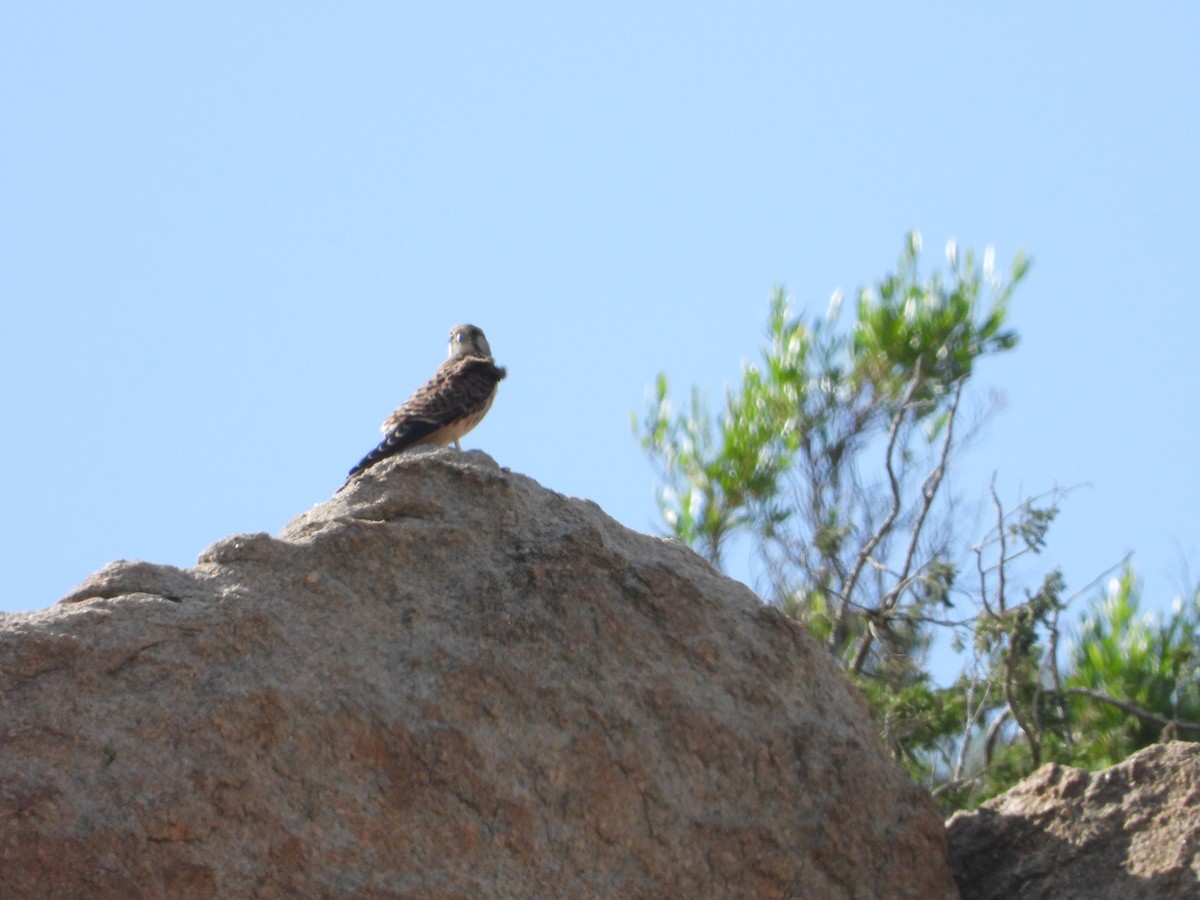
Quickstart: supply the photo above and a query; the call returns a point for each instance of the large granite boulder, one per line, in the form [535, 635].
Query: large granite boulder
[446, 681]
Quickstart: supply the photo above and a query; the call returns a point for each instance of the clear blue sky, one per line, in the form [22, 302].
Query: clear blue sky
[233, 238]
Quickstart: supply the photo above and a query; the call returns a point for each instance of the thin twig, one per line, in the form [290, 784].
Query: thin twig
[929, 489]
[1000, 576]
[873, 541]
[928, 492]
[993, 732]
[1124, 561]
[1056, 678]
[1178, 725]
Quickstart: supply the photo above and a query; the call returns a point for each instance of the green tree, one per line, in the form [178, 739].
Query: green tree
[830, 462]
[857, 552]
[1130, 680]
[1133, 679]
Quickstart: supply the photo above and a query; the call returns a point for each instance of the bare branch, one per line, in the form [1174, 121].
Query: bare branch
[1124, 561]
[1056, 679]
[993, 732]
[981, 546]
[1031, 735]
[873, 541]
[929, 491]
[1000, 577]
[1032, 731]
[974, 712]
[1177, 725]
[955, 784]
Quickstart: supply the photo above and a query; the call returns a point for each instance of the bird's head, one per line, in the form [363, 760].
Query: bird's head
[468, 340]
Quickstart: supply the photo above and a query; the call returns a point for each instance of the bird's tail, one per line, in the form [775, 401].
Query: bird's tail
[385, 449]
[407, 434]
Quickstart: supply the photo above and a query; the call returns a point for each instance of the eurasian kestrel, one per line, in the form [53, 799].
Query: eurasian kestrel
[448, 405]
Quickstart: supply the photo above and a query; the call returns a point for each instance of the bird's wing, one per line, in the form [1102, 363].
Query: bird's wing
[461, 387]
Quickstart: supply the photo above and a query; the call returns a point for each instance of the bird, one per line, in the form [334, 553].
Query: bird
[448, 405]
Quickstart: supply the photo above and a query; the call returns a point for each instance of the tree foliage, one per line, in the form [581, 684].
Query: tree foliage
[831, 459]
[1133, 678]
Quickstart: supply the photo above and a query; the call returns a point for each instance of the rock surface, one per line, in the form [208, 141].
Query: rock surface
[447, 681]
[1127, 832]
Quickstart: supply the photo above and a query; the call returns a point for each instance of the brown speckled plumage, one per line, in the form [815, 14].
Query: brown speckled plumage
[448, 405]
